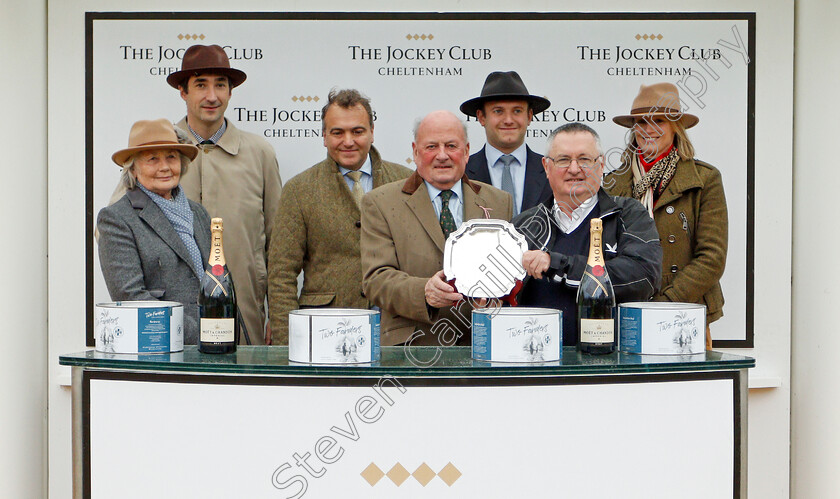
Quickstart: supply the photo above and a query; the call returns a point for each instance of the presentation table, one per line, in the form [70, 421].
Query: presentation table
[421, 422]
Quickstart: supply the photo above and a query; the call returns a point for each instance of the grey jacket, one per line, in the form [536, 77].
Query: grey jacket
[143, 258]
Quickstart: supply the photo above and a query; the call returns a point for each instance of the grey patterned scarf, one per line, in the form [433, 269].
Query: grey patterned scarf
[179, 214]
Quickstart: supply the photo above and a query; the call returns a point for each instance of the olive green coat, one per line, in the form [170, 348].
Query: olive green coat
[693, 228]
[316, 230]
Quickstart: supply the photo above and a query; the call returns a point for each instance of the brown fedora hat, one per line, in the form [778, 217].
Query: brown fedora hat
[154, 134]
[659, 99]
[504, 86]
[200, 59]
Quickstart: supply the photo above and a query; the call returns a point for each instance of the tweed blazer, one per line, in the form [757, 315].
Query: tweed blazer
[238, 180]
[693, 226]
[402, 247]
[316, 230]
[143, 258]
[537, 188]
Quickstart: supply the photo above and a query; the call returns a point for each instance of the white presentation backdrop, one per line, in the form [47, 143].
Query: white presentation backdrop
[177, 440]
[590, 67]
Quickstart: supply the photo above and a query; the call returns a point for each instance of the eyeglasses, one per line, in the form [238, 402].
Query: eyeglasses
[582, 162]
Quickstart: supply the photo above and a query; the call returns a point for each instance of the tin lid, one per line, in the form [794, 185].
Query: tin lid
[661, 305]
[484, 257]
[334, 312]
[139, 304]
[517, 311]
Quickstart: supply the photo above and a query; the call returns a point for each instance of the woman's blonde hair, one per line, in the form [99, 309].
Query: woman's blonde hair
[685, 149]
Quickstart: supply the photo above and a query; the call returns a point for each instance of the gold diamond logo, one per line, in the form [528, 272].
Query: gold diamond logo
[408, 36]
[652, 37]
[398, 474]
[423, 474]
[201, 36]
[659, 36]
[645, 37]
[180, 37]
[372, 474]
[449, 474]
[430, 37]
[408, 161]
[638, 37]
[294, 99]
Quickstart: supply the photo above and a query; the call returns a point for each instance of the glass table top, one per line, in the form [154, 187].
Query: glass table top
[403, 361]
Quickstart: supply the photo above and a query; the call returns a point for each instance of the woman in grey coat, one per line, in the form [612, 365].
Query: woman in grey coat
[153, 242]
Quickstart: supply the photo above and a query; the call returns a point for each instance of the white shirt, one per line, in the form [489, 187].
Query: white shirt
[567, 223]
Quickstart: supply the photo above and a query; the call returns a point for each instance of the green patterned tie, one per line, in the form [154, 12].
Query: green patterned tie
[447, 221]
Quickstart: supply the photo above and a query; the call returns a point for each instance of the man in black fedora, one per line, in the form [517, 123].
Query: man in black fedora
[235, 176]
[505, 109]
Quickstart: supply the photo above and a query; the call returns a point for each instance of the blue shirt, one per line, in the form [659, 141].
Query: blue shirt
[517, 171]
[367, 176]
[216, 136]
[456, 204]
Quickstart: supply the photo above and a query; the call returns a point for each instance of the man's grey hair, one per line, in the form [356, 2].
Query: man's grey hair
[419, 121]
[575, 127]
[129, 180]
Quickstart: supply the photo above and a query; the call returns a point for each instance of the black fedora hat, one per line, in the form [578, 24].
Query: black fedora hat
[504, 86]
[205, 59]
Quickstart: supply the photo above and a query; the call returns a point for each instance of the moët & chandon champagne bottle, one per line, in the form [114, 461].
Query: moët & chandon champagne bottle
[217, 300]
[596, 300]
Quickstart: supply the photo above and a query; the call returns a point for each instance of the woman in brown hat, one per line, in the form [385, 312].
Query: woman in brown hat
[683, 195]
[153, 242]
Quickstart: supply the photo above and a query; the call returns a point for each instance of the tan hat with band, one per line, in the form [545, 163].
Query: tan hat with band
[659, 99]
[154, 134]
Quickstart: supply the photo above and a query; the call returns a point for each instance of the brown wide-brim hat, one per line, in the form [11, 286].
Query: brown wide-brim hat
[154, 134]
[200, 59]
[659, 99]
[504, 86]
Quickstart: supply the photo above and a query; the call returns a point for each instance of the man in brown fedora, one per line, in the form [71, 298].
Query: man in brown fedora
[505, 109]
[235, 176]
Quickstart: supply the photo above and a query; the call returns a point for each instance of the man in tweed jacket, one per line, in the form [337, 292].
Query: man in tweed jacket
[317, 224]
[403, 239]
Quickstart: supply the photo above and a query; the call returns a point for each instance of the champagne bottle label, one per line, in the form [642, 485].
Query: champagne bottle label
[596, 257]
[217, 254]
[216, 330]
[597, 330]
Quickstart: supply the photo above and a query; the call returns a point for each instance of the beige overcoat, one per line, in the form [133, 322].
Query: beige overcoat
[402, 246]
[316, 230]
[239, 181]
